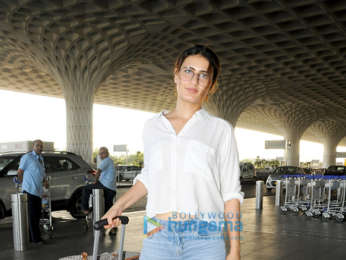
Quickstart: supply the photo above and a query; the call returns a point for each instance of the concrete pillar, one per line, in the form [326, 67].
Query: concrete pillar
[329, 152]
[330, 142]
[292, 148]
[291, 120]
[79, 122]
[331, 132]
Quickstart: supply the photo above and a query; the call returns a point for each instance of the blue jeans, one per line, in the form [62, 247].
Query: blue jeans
[183, 241]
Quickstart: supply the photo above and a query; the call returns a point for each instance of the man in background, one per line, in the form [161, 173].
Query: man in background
[105, 179]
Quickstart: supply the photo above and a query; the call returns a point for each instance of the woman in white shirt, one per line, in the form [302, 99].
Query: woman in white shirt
[191, 172]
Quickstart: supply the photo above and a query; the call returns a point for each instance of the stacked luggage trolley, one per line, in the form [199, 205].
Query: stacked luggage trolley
[314, 195]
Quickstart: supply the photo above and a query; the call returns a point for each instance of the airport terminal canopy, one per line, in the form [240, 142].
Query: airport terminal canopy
[283, 61]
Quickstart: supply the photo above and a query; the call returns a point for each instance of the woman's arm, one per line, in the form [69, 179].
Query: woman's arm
[231, 190]
[234, 226]
[135, 193]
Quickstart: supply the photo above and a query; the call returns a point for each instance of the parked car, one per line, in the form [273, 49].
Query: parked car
[279, 172]
[263, 173]
[67, 172]
[127, 172]
[338, 170]
[307, 170]
[247, 171]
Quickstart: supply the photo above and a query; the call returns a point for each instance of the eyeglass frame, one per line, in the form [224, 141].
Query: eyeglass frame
[184, 75]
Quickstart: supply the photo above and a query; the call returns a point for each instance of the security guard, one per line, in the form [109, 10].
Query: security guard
[31, 173]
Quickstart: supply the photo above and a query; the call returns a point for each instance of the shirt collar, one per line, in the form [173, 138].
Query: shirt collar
[35, 154]
[202, 113]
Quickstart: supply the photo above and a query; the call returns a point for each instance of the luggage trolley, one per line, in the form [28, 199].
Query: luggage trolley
[292, 185]
[300, 194]
[335, 208]
[304, 202]
[46, 220]
[119, 255]
[315, 190]
[341, 215]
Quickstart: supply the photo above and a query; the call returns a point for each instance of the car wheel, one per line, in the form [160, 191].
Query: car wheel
[75, 208]
[2, 210]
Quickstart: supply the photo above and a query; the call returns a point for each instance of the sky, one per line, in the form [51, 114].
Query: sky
[28, 117]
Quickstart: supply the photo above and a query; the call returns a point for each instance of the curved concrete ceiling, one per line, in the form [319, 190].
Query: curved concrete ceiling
[282, 61]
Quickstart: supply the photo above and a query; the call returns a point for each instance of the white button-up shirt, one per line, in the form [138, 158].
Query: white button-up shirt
[194, 172]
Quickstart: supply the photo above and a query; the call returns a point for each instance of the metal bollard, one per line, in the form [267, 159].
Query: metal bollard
[20, 226]
[98, 204]
[278, 193]
[98, 209]
[259, 194]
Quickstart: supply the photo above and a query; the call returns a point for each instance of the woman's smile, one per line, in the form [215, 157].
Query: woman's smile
[192, 90]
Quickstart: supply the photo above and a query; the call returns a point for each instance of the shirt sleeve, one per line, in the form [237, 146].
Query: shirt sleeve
[143, 176]
[229, 167]
[23, 162]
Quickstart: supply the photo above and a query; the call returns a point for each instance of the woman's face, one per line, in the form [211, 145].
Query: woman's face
[193, 80]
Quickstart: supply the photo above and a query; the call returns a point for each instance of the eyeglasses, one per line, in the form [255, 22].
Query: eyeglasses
[187, 74]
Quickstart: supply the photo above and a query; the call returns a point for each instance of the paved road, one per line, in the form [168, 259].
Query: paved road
[248, 188]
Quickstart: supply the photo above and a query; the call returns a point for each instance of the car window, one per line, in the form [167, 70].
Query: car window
[331, 168]
[11, 168]
[14, 165]
[4, 161]
[292, 170]
[336, 169]
[67, 165]
[59, 164]
[340, 169]
[280, 171]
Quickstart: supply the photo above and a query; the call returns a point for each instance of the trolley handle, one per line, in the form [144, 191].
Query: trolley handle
[16, 180]
[101, 223]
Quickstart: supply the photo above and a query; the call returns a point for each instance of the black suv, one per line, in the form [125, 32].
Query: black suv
[338, 170]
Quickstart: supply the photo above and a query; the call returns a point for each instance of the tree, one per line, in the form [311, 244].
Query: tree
[133, 159]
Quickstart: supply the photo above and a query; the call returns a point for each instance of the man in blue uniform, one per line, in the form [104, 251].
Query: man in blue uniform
[105, 179]
[31, 173]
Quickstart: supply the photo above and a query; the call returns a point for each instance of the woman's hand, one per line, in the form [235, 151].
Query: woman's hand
[114, 211]
[136, 192]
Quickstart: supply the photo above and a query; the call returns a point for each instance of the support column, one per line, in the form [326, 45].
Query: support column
[331, 133]
[79, 122]
[292, 148]
[291, 120]
[329, 152]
